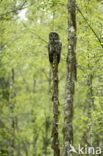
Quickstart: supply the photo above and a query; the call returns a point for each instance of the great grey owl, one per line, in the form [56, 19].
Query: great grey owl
[54, 46]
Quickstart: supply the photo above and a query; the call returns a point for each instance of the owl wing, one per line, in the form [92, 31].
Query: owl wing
[50, 53]
[59, 51]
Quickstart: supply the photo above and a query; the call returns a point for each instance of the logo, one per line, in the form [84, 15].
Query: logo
[85, 150]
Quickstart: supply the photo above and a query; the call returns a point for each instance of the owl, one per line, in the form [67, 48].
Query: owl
[54, 46]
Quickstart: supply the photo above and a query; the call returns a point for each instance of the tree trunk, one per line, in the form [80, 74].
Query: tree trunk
[46, 139]
[71, 77]
[18, 150]
[55, 141]
[34, 144]
[11, 108]
[25, 148]
[35, 134]
[89, 107]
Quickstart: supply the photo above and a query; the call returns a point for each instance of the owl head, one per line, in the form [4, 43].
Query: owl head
[53, 36]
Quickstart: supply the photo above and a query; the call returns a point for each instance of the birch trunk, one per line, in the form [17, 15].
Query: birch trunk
[71, 77]
[11, 108]
[89, 107]
[35, 134]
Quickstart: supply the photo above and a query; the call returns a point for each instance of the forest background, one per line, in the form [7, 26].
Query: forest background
[26, 85]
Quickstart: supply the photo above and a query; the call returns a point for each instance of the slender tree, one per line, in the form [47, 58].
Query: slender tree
[71, 77]
[89, 105]
[45, 138]
[54, 49]
[11, 108]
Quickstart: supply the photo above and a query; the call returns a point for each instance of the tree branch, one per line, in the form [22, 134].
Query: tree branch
[90, 26]
[39, 37]
[13, 11]
[99, 40]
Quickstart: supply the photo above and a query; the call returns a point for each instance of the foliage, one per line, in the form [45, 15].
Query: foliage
[23, 47]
